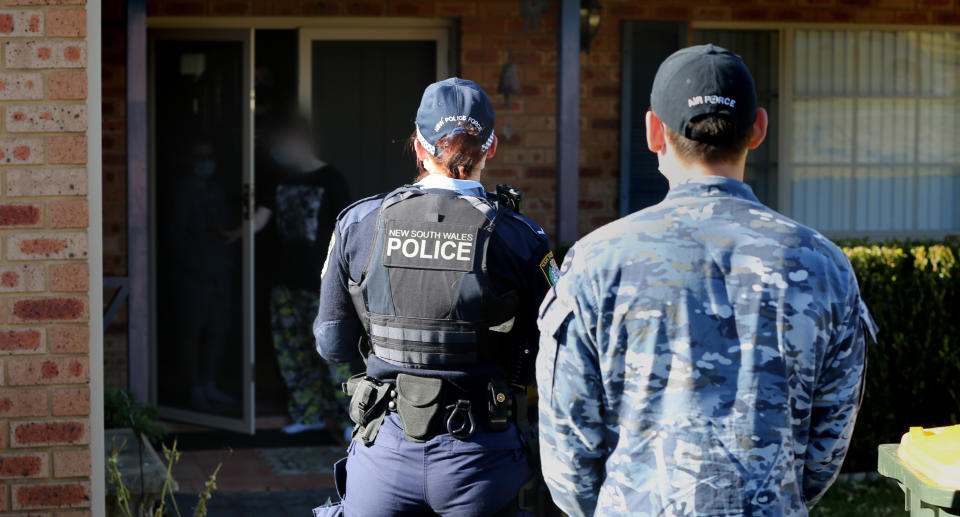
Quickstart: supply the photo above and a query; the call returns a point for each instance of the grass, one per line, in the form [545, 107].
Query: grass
[848, 498]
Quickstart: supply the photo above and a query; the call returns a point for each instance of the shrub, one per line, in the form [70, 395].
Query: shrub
[122, 409]
[119, 504]
[912, 290]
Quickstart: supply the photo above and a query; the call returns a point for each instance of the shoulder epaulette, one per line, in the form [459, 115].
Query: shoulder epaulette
[534, 227]
[359, 202]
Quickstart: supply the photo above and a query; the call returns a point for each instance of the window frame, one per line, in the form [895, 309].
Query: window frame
[786, 31]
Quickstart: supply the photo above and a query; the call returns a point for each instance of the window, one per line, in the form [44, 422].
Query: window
[873, 144]
[871, 120]
[645, 45]
[759, 49]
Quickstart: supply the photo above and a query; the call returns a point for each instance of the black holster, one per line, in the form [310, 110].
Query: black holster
[368, 406]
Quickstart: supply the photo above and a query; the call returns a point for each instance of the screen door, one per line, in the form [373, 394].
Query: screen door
[202, 238]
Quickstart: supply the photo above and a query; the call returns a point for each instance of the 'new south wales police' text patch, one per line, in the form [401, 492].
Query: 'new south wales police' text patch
[425, 245]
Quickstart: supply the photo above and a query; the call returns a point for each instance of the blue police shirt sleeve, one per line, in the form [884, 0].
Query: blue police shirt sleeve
[537, 283]
[570, 389]
[337, 327]
[520, 258]
[837, 398]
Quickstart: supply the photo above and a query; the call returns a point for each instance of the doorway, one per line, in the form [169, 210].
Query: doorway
[361, 90]
[358, 89]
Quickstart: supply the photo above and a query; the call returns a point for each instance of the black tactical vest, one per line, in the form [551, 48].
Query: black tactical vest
[425, 297]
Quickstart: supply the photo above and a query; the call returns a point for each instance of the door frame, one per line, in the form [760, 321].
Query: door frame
[439, 34]
[296, 22]
[247, 422]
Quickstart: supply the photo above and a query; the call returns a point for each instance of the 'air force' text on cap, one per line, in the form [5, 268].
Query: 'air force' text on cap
[711, 99]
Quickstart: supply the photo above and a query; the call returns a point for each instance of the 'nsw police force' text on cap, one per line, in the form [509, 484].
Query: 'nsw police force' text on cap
[450, 106]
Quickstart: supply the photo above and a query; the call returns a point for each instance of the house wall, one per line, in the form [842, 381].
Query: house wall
[492, 32]
[46, 298]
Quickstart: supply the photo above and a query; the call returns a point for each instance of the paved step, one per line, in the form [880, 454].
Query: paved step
[285, 503]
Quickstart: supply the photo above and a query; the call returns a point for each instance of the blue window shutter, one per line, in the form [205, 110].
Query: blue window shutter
[645, 45]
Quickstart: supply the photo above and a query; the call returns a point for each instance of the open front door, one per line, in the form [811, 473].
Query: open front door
[361, 88]
[201, 122]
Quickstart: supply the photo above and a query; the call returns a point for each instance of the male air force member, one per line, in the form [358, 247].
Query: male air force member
[703, 356]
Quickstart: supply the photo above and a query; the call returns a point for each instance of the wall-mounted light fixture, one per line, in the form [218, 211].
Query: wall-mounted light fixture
[509, 83]
[589, 22]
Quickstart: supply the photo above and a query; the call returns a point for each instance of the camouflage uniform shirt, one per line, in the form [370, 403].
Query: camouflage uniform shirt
[701, 357]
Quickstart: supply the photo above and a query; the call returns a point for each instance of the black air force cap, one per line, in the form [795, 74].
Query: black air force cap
[703, 80]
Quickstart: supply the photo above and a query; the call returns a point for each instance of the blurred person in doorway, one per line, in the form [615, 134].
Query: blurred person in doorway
[298, 197]
[202, 263]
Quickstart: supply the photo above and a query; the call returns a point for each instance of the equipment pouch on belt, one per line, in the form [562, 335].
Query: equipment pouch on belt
[368, 406]
[498, 405]
[419, 404]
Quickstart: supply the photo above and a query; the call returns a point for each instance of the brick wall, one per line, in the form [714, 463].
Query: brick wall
[44, 276]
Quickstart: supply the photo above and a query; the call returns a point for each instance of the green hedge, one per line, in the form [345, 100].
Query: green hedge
[913, 372]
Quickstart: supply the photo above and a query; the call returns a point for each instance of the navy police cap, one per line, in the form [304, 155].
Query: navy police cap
[703, 80]
[450, 106]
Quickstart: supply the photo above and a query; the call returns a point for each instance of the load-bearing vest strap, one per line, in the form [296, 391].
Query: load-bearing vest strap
[423, 336]
[421, 358]
[403, 193]
[444, 345]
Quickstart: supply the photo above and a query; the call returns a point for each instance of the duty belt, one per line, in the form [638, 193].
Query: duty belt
[427, 407]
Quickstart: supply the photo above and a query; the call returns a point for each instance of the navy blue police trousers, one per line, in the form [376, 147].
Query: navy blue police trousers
[444, 476]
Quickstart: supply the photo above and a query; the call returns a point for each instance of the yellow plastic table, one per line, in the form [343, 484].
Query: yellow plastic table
[926, 464]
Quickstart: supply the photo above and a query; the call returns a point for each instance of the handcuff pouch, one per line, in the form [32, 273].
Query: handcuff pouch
[419, 404]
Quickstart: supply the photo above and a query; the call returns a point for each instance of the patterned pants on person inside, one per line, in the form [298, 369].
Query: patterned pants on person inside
[314, 384]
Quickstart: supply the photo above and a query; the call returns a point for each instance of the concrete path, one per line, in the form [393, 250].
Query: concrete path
[284, 503]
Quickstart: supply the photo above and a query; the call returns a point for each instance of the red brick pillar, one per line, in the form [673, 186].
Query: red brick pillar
[45, 431]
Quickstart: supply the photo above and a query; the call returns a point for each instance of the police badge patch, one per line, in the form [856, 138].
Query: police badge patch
[425, 245]
[550, 270]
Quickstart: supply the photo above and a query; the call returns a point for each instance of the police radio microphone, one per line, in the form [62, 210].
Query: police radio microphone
[509, 196]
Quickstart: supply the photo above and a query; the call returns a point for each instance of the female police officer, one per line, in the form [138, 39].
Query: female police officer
[439, 282]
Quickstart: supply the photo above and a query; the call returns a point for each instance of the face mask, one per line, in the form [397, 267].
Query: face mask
[280, 156]
[203, 169]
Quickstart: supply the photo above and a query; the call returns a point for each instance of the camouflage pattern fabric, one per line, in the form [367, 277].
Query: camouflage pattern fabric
[314, 384]
[702, 357]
